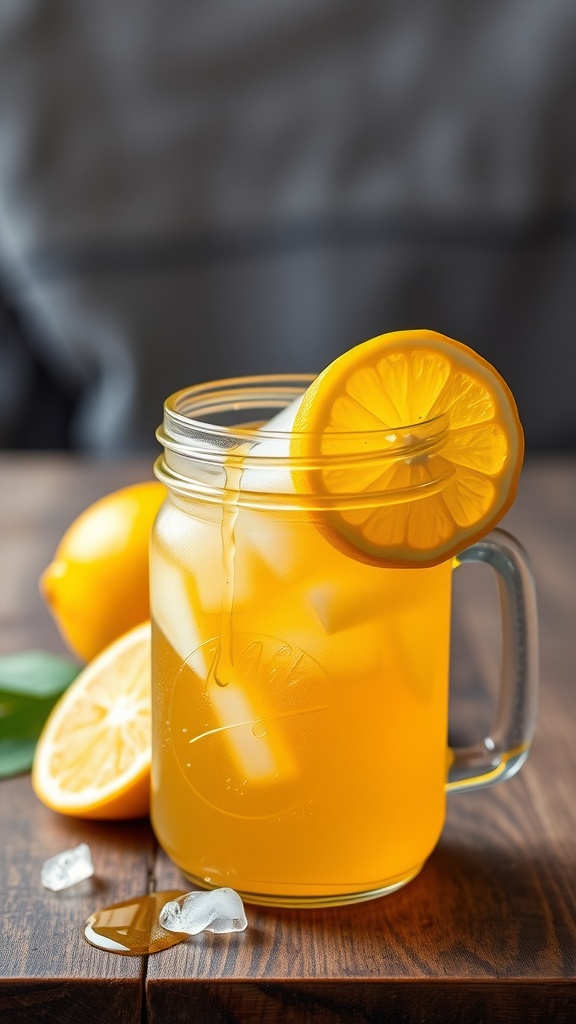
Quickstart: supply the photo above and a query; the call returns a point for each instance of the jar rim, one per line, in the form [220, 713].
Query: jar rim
[191, 439]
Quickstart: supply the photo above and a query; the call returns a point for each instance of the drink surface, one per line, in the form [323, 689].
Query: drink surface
[300, 706]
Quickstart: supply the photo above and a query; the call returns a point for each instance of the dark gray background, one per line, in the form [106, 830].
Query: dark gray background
[192, 189]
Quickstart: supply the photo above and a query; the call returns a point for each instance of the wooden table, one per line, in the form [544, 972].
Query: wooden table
[485, 933]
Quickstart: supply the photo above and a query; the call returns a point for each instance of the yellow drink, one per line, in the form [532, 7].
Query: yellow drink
[300, 725]
[300, 684]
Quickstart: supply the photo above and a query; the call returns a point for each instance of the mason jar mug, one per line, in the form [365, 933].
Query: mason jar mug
[300, 691]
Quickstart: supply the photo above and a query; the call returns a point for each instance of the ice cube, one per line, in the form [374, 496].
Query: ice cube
[172, 608]
[67, 868]
[265, 540]
[242, 713]
[277, 480]
[341, 605]
[194, 542]
[265, 534]
[276, 538]
[220, 910]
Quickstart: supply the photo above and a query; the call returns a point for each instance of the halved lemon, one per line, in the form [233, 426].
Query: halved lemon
[428, 439]
[93, 756]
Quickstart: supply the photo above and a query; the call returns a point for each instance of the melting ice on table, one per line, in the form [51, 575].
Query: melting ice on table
[67, 868]
[220, 910]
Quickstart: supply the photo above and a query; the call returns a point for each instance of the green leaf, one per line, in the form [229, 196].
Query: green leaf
[16, 756]
[9, 704]
[27, 720]
[36, 673]
[30, 684]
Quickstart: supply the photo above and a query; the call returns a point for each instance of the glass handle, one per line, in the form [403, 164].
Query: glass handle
[502, 753]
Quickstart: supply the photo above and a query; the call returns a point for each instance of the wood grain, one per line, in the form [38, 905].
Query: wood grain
[485, 933]
[47, 971]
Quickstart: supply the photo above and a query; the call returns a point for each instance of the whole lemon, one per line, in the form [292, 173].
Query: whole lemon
[97, 584]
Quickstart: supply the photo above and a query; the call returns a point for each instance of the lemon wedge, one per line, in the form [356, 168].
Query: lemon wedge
[93, 756]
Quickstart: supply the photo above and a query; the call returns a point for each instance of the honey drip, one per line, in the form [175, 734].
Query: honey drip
[222, 666]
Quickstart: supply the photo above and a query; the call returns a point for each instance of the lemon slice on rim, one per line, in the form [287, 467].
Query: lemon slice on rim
[93, 756]
[440, 454]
